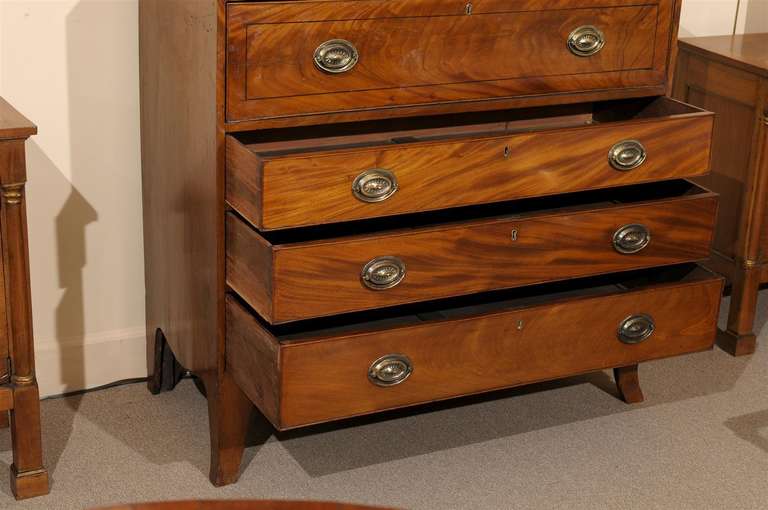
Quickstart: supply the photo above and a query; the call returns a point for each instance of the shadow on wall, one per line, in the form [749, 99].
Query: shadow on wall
[71, 220]
[103, 112]
[756, 16]
[71, 223]
[69, 227]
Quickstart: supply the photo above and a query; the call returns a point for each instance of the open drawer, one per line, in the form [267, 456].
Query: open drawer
[348, 172]
[333, 368]
[289, 275]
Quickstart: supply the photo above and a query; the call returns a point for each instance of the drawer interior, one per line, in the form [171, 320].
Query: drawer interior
[484, 303]
[570, 202]
[292, 141]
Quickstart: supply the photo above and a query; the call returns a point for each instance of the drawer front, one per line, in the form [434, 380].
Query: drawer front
[317, 187]
[407, 266]
[308, 58]
[338, 376]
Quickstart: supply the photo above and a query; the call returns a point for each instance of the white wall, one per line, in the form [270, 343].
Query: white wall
[72, 67]
[718, 17]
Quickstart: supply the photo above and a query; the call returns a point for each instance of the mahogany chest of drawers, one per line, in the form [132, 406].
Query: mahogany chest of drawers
[355, 206]
[729, 75]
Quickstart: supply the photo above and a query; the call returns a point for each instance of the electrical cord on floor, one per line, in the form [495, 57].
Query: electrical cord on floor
[123, 382]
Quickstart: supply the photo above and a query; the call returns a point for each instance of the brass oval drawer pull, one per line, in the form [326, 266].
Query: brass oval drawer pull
[390, 370]
[586, 40]
[631, 238]
[636, 328]
[626, 155]
[383, 273]
[374, 185]
[336, 56]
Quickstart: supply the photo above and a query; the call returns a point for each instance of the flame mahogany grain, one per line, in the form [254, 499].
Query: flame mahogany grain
[431, 53]
[281, 189]
[324, 377]
[212, 67]
[293, 280]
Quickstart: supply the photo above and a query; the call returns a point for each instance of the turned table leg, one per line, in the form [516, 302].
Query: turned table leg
[628, 383]
[28, 476]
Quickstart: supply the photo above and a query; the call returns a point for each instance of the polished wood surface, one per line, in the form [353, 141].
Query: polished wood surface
[729, 75]
[242, 505]
[409, 60]
[20, 393]
[456, 352]
[407, 112]
[197, 56]
[13, 125]
[744, 51]
[181, 66]
[179, 160]
[292, 187]
[292, 281]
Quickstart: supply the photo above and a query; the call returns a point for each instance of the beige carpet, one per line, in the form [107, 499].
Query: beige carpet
[700, 441]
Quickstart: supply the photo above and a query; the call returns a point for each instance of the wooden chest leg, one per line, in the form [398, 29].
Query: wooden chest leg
[164, 370]
[230, 414]
[739, 338]
[628, 383]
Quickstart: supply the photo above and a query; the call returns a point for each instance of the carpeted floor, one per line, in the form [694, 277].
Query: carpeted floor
[700, 441]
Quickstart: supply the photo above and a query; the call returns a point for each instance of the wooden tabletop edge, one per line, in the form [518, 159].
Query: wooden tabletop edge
[13, 125]
[729, 49]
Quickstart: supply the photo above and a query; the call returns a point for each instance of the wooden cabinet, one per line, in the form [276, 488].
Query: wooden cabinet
[355, 206]
[729, 76]
[19, 396]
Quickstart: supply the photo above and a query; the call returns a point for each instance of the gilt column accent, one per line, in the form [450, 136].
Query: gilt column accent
[16, 265]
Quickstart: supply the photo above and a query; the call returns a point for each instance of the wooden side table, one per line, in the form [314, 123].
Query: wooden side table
[18, 386]
[729, 75]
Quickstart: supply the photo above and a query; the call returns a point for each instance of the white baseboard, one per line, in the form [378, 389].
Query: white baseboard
[72, 364]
